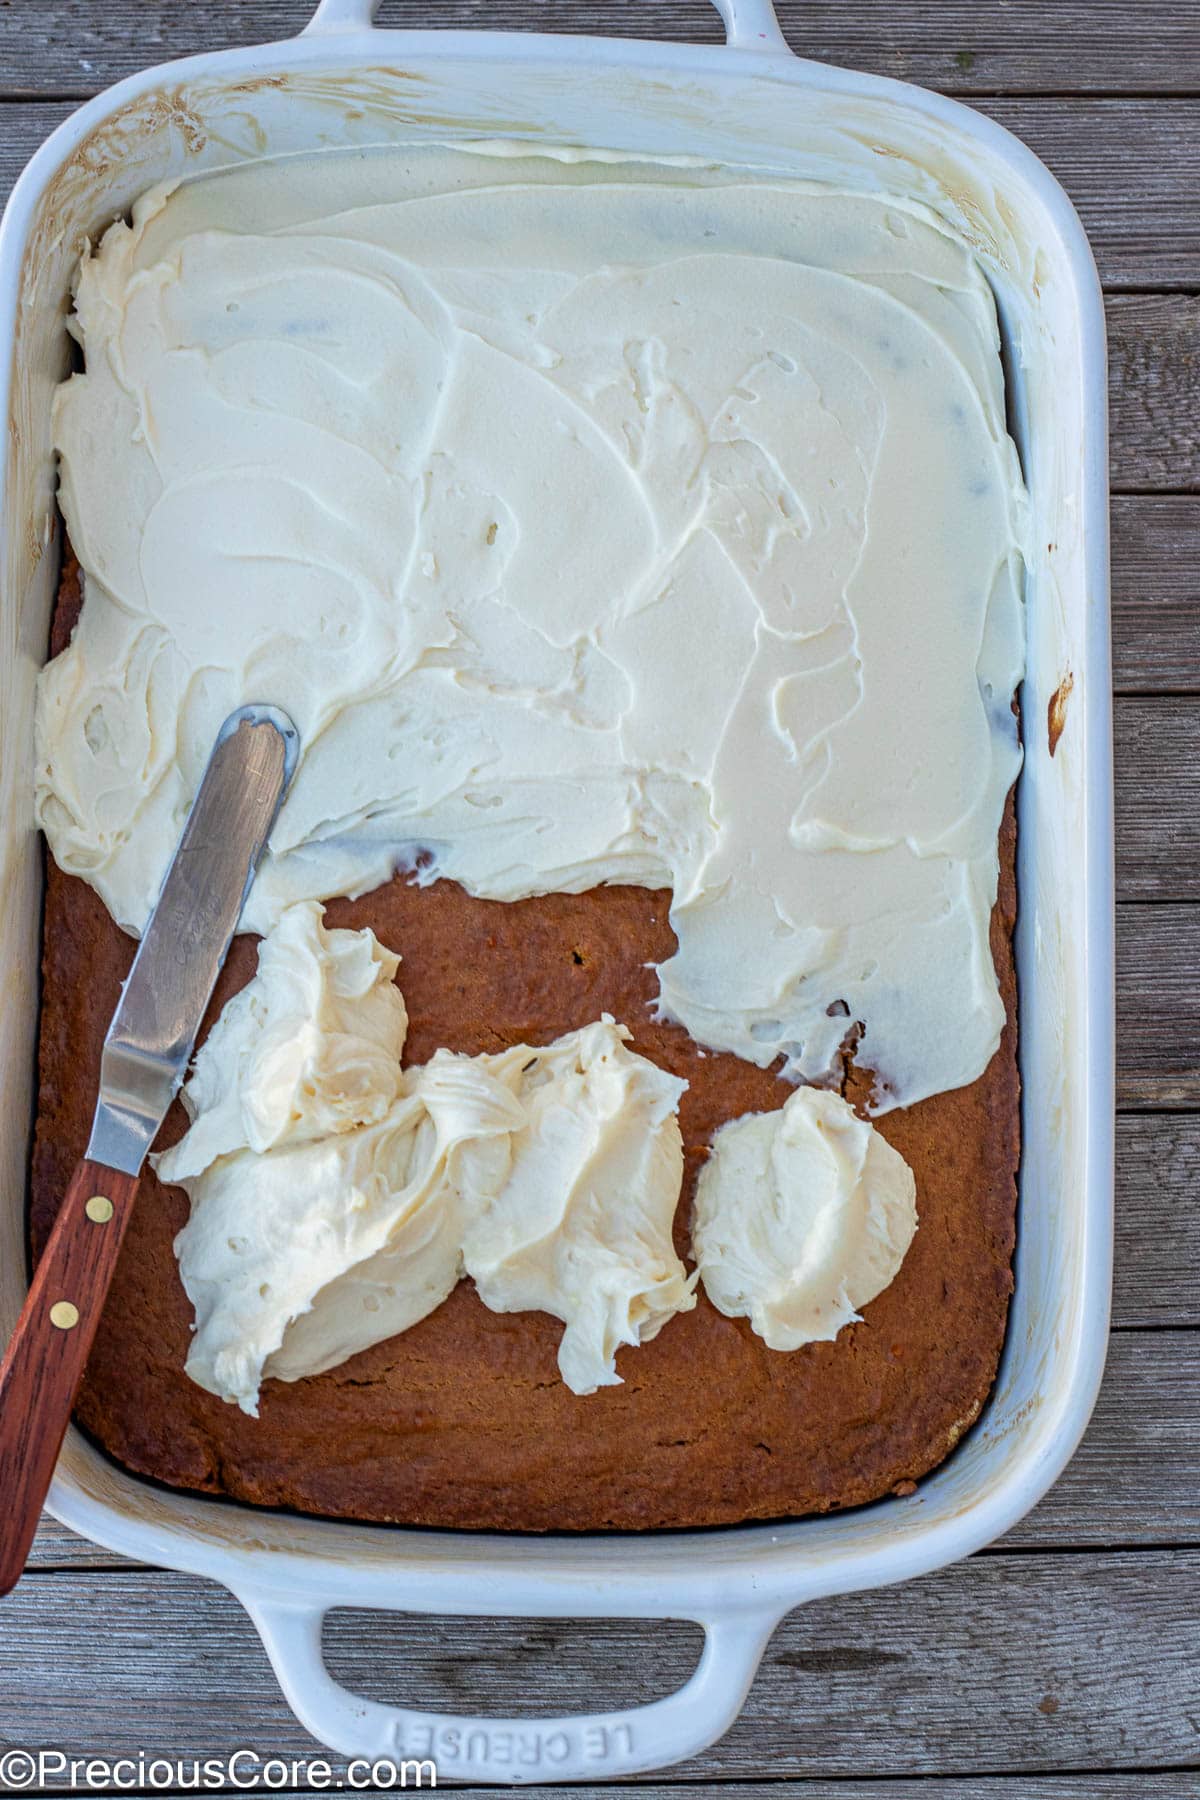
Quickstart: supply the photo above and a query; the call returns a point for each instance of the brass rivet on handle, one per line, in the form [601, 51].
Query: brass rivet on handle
[64, 1315]
[99, 1209]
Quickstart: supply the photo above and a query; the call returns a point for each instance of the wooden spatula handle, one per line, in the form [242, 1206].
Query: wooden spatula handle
[44, 1362]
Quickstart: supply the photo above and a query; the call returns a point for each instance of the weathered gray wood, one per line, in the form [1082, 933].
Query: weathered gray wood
[1158, 1007]
[1157, 1277]
[1181, 1785]
[1024, 46]
[1016, 1663]
[55, 1547]
[1156, 592]
[23, 126]
[1135, 1478]
[1131, 166]
[1154, 389]
[1157, 766]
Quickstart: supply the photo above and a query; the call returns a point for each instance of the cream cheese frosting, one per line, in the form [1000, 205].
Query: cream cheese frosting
[336, 1199]
[581, 1226]
[802, 1216]
[595, 522]
[309, 1049]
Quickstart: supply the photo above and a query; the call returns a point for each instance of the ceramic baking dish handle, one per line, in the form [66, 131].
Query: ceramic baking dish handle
[749, 24]
[573, 1747]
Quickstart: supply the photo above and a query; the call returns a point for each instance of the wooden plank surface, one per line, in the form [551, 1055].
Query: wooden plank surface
[1135, 1479]
[1013, 1663]
[1055, 1652]
[1177, 1786]
[997, 46]
[1157, 1277]
[55, 1547]
[1156, 752]
[1156, 590]
[1158, 1007]
[1132, 167]
[1154, 391]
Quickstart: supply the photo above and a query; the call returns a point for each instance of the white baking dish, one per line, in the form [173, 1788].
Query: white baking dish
[750, 103]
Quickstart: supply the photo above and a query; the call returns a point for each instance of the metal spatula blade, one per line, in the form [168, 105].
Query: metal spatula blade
[149, 1042]
[145, 1057]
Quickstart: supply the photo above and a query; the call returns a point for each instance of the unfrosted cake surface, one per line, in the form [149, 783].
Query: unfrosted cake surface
[463, 1419]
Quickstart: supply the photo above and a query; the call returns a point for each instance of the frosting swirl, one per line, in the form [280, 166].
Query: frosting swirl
[595, 522]
[801, 1217]
[336, 1199]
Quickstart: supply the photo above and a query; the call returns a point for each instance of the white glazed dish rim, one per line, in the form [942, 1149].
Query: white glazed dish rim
[736, 1581]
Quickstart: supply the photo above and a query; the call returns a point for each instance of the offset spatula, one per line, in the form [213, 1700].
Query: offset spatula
[145, 1058]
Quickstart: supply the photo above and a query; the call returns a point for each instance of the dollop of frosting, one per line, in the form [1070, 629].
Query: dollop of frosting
[581, 1226]
[802, 1216]
[336, 1199]
[309, 1049]
[595, 522]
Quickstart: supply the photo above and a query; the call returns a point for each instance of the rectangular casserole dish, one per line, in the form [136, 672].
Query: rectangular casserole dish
[751, 104]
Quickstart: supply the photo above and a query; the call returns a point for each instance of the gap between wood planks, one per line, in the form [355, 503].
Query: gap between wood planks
[983, 98]
[1090, 1784]
[994, 46]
